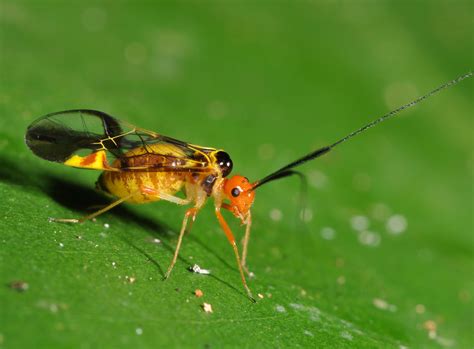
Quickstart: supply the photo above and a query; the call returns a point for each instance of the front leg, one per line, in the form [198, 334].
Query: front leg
[248, 223]
[231, 239]
[245, 243]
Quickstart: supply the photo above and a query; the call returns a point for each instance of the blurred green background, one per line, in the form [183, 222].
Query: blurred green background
[385, 257]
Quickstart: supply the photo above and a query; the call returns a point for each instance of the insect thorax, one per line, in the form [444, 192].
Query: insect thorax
[207, 184]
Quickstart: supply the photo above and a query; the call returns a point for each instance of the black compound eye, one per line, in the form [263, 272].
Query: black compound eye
[224, 162]
[235, 192]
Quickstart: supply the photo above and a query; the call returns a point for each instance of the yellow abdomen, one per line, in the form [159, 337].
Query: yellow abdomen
[131, 182]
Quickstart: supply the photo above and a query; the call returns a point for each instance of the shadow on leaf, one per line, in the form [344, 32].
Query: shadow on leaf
[78, 197]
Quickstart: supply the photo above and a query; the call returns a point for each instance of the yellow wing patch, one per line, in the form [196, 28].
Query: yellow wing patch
[94, 161]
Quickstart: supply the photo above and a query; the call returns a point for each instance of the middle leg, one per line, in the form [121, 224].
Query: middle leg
[164, 196]
[190, 213]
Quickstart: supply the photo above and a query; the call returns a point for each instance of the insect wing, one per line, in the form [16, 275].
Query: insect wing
[82, 138]
[58, 136]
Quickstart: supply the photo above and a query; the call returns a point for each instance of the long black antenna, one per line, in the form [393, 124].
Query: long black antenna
[281, 173]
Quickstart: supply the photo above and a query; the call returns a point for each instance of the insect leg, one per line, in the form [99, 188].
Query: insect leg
[245, 243]
[167, 197]
[248, 222]
[92, 215]
[231, 239]
[164, 196]
[192, 212]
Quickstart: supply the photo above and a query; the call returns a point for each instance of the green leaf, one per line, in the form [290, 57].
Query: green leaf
[385, 256]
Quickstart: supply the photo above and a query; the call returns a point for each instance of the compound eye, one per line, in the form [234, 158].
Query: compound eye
[235, 192]
[224, 162]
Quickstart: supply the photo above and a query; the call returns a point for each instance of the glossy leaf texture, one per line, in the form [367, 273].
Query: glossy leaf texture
[384, 255]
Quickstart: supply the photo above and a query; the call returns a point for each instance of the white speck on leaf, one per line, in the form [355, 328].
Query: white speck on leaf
[383, 304]
[198, 270]
[276, 215]
[328, 233]
[369, 238]
[297, 306]
[207, 308]
[420, 309]
[346, 335]
[280, 309]
[317, 179]
[360, 223]
[445, 342]
[306, 215]
[396, 224]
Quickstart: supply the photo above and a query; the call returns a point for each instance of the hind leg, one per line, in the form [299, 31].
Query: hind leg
[92, 215]
[143, 190]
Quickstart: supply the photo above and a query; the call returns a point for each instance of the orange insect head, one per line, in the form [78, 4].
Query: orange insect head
[240, 192]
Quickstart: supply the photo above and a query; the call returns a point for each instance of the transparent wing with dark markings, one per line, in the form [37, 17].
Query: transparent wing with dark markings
[59, 136]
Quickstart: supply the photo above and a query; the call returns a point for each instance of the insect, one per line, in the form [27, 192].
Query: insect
[141, 166]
